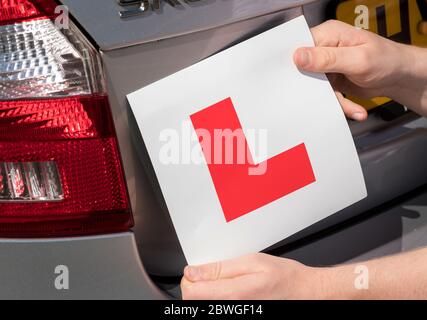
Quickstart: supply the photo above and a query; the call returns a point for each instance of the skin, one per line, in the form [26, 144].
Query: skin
[363, 64]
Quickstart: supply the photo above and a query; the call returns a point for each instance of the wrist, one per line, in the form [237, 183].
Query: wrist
[319, 284]
[416, 64]
[412, 68]
[417, 80]
[337, 283]
[410, 72]
[403, 69]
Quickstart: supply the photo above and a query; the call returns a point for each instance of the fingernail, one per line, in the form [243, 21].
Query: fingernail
[358, 116]
[192, 273]
[304, 58]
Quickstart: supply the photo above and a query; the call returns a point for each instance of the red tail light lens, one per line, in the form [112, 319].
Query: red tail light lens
[16, 10]
[56, 119]
[60, 168]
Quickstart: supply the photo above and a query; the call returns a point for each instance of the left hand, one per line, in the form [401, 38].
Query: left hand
[257, 276]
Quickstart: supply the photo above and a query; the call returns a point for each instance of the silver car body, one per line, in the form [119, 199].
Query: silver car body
[146, 262]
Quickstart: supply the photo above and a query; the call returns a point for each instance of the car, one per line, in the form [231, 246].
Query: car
[81, 212]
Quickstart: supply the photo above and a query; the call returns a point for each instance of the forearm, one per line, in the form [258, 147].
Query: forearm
[411, 87]
[396, 277]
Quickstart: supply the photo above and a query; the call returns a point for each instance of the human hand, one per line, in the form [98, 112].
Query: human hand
[257, 276]
[260, 276]
[357, 62]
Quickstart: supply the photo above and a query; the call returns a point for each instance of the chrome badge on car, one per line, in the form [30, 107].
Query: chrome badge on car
[138, 7]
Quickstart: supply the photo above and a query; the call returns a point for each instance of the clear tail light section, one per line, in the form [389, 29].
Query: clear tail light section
[30, 181]
[60, 167]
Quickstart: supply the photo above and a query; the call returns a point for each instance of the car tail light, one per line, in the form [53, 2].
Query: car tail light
[16, 10]
[60, 167]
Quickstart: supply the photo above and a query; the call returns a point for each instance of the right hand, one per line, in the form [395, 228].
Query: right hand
[356, 61]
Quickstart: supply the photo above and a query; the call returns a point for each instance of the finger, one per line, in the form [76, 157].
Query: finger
[185, 284]
[342, 84]
[224, 289]
[333, 33]
[351, 109]
[326, 34]
[331, 60]
[224, 269]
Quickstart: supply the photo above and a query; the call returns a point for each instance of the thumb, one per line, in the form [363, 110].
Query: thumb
[225, 269]
[351, 109]
[327, 59]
